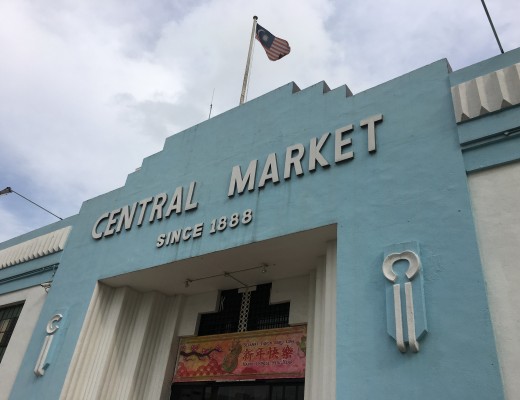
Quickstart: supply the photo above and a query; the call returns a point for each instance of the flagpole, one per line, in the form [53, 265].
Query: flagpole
[492, 26]
[211, 104]
[246, 73]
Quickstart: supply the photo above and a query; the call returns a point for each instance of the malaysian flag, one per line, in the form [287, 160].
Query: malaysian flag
[275, 47]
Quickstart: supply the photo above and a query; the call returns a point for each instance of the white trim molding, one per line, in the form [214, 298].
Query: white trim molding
[32, 249]
[487, 93]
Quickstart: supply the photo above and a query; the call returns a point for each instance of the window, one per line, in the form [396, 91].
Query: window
[225, 320]
[8, 318]
[261, 314]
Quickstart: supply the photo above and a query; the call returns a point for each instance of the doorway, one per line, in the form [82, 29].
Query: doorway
[288, 389]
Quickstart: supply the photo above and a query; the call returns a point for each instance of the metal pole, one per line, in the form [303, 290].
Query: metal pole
[246, 73]
[9, 190]
[211, 105]
[492, 26]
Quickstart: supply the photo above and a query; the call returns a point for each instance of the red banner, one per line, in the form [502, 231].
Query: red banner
[269, 354]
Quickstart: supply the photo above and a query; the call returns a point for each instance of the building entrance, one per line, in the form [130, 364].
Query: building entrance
[291, 389]
[244, 351]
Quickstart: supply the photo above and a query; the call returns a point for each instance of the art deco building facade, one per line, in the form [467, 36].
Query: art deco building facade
[308, 244]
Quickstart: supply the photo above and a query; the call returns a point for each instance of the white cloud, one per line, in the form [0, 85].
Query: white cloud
[91, 88]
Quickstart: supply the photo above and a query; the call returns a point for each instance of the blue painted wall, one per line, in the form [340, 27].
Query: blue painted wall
[493, 139]
[32, 272]
[413, 188]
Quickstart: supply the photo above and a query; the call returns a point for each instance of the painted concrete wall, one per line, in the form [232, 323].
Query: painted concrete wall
[295, 290]
[413, 188]
[33, 299]
[320, 373]
[192, 307]
[489, 137]
[125, 348]
[495, 195]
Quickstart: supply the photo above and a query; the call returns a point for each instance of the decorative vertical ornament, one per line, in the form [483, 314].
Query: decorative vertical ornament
[244, 309]
[48, 349]
[405, 309]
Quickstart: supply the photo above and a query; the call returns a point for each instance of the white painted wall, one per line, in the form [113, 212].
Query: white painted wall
[126, 348]
[295, 290]
[495, 196]
[34, 298]
[193, 306]
[320, 372]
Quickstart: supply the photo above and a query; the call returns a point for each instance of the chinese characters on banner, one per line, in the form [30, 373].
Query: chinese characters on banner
[274, 353]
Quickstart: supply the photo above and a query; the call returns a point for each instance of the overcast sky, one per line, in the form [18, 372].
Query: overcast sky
[90, 88]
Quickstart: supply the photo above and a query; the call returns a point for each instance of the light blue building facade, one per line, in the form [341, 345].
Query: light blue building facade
[387, 219]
